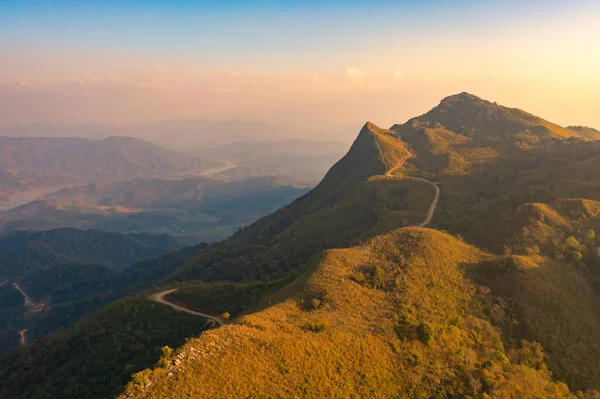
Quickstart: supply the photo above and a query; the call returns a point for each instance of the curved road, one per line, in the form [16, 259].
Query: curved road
[433, 205]
[436, 197]
[160, 298]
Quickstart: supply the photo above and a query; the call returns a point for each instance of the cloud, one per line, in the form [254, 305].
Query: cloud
[398, 75]
[354, 73]
[87, 80]
[229, 72]
[22, 83]
[161, 69]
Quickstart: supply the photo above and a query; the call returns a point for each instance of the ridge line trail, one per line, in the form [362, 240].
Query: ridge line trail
[433, 205]
[436, 197]
[160, 298]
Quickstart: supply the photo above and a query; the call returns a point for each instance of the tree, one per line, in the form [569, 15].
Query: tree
[590, 237]
[425, 332]
[572, 249]
[532, 355]
[572, 244]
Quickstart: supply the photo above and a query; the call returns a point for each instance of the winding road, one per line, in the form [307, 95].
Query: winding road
[433, 206]
[160, 298]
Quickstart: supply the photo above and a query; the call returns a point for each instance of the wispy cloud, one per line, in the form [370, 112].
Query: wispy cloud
[354, 73]
[22, 83]
[161, 69]
[87, 80]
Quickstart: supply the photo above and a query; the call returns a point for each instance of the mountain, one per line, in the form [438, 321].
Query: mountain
[49, 271]
[587, 132]
[44, 161]
[203, 208]
[454, 255]
[407, 330]
[23, 251]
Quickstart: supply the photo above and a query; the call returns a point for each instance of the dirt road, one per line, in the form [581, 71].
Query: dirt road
[160, 298]
[27, 303]
[433, 206]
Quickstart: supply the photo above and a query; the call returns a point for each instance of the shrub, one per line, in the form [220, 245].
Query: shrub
[315, 326]
[425, 332]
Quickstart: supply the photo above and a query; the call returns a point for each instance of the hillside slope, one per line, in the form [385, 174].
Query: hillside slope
[59, 271]
[373, 301]
[22, 252]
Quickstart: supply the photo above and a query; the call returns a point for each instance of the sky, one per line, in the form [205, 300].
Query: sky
[305, 64]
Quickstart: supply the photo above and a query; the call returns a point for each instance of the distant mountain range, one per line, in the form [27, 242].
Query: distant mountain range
[182, 135]
[203, 208]
[44, 161]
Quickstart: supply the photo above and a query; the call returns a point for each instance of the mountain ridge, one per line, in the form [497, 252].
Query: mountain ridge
[448, 311]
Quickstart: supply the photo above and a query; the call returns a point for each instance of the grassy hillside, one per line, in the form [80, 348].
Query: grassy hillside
[403, 312]
[95, 360]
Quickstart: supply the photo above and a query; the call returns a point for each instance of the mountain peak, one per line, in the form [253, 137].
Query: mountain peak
[374, 152]
[369, 129]
[466, 103]
[462, 97]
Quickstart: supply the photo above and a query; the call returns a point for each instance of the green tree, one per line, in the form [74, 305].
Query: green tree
[590, 237]
[425, 332]
[572, 244]
[572, 249]
[166, 356]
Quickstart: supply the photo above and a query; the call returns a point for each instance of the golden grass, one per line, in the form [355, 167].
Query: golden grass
[347, 329]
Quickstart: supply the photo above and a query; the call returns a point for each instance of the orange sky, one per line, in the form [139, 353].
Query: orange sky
[545, 60]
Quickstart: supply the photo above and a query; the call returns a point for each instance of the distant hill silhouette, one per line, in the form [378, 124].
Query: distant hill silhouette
[40, 160]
